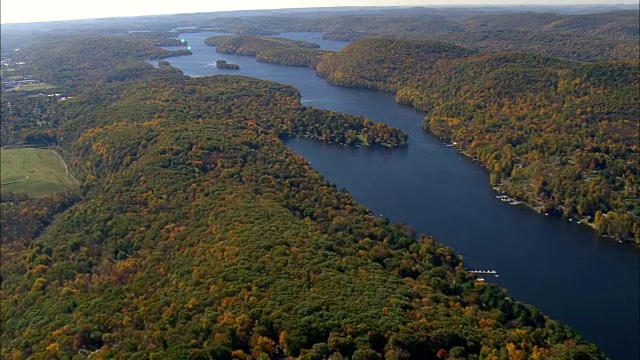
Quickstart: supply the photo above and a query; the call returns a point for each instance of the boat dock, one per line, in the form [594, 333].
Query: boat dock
[509, 200]
[483, 272]
[487, 272]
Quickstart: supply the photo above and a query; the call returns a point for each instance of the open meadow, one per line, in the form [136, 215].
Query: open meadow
[35, 172]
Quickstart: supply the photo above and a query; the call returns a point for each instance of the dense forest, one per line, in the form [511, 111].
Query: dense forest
[252, 45]
[269, 49]
[27, 119]
[584, 37]
[198, 234]
[293, 56]
[77, 61]
[558, 134]
[577, 33]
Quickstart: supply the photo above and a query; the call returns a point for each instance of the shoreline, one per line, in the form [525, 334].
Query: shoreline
[556, 210]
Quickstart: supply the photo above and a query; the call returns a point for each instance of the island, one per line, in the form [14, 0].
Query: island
[223, 64]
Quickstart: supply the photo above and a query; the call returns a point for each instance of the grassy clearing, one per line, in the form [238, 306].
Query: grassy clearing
[36, 172]
[35, 87]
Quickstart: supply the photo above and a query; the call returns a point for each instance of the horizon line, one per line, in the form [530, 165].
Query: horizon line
[554, 5]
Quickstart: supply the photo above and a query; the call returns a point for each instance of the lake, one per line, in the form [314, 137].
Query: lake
[562, 268]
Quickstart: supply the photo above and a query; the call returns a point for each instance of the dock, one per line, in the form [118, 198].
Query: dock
[509, 200]
[485, 272]
[492, 272]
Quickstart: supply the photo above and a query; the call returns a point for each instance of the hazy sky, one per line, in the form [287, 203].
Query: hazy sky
[46, 10]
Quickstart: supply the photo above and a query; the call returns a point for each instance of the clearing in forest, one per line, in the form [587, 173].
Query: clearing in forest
[35, 172]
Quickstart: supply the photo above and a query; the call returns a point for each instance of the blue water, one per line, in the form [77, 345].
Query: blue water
[564, 269]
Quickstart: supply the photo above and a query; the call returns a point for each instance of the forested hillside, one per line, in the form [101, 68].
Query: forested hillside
[252, 45]
[198, 234]
[583, 37]
[578, 33]
[293, 56]
[561, 135]
[615, 24]
[269, 49]
[78, 61]
[588, 37]
[386, 64]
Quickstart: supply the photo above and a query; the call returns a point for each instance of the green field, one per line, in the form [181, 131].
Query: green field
[35, 87]
[36, 172]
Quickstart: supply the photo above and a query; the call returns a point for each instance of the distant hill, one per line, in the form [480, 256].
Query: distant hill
[584, 33]
[588, 37]
[619, 24]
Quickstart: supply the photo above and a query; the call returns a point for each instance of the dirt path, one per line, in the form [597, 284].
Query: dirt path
[66, 168]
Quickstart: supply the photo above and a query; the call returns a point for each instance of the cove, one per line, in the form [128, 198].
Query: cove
[564, 269]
